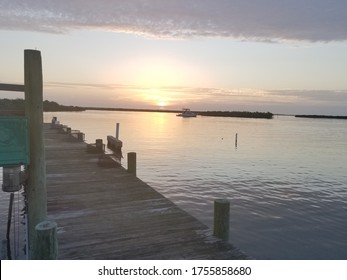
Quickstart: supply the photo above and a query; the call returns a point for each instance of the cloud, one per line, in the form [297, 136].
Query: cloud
[266, 20]
[279, 101]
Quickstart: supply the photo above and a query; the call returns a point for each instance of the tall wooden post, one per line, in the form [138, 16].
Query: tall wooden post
[36, 191]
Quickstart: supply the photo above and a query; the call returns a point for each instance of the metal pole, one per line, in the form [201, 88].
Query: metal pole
[117, 131]
[9, 221]
[9, 217]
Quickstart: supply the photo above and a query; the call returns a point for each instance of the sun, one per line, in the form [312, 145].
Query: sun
[162, 103]
[156, 96]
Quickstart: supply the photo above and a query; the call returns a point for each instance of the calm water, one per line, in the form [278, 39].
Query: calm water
[286, 180]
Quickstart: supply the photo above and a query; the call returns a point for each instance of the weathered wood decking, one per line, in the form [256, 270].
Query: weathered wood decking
[107, 213]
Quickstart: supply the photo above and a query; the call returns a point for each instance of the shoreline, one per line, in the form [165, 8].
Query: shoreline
[235, 114]
[15, 107]
[321, 117]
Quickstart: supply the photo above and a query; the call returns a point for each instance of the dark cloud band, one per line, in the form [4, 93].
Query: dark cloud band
[311, 20]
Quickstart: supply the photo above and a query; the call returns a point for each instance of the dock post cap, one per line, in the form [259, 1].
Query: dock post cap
[46, 225]
[222, 200]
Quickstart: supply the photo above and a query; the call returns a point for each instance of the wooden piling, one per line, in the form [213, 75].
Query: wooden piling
[221, 218]
[132, 163]
[47, 248]
[236, 140]
[36, 190]
[96, 148]
[80, 136]
[99, 145]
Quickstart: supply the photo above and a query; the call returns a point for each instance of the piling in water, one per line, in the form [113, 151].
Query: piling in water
[132, 163]
[221, 218]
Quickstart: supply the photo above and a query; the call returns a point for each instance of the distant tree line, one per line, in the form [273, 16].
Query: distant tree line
[51, 106]
[48, 106]
[132, 110]
[237, 114]
[321, 117]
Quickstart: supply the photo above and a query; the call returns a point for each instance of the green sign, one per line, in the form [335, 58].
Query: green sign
[14, 148]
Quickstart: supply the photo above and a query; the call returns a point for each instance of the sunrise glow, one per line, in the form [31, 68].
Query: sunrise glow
[162, 104]
[171, 56]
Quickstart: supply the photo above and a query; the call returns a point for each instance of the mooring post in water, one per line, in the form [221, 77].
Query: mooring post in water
[236, 140]
[36, 190]
[117, 131]
[132, 163]
[221, 218]
[47, 248]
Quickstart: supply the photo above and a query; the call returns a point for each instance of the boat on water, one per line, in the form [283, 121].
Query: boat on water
[186, 113]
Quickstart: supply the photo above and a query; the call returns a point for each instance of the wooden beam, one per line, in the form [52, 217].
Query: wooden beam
[7, 113]
[11, 87]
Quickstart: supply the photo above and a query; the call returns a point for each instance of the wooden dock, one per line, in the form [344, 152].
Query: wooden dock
[108, 213]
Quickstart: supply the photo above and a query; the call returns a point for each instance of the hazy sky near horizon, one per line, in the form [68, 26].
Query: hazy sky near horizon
[287, 56]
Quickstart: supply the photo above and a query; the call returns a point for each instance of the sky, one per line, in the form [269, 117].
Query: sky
[285, 57]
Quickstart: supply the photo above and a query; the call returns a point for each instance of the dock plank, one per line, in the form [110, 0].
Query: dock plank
[107, 213]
